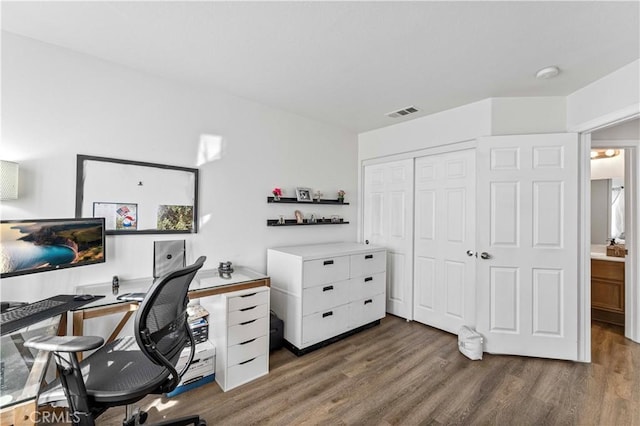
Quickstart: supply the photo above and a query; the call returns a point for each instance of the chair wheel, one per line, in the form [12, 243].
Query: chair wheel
[142, 417]
[202, 423]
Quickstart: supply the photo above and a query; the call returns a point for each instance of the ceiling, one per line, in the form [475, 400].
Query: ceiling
[348, 63]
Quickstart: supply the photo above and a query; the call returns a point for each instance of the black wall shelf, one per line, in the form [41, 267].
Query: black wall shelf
[293, 200]
[293, 222]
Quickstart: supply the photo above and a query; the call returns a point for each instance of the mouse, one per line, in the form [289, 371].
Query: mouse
[83, 297]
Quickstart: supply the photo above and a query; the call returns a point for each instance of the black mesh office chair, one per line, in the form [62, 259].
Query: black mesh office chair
[126, 370]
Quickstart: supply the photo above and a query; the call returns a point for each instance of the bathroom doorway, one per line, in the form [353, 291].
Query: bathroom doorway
[613, 164]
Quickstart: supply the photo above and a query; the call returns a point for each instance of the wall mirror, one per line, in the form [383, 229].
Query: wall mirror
[607, 210]
[137, 197]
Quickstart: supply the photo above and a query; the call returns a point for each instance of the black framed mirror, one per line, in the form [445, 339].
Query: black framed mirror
[137, 197]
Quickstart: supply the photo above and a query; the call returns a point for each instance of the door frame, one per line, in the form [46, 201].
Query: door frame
[632, 159]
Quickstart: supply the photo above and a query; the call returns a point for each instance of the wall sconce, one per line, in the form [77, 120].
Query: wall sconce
[597, 154]
[8, 180]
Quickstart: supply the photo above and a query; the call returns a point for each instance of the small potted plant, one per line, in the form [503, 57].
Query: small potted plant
[277, 193]
[341, 194]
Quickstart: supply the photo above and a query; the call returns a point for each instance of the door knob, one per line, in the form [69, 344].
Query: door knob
[485, 255]
[470, 253]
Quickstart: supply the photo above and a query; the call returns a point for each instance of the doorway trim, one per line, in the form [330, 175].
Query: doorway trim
[632, 160]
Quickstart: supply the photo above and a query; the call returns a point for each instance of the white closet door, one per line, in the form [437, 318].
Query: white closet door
[527, 201]
[444, 283]
[388, 222]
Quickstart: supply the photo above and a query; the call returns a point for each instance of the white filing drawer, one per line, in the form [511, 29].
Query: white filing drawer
[367, 286]
[366, 310]
[368, 263]
[247, 350]
[326, 270]
[324, 296]
[323, 325]
[252, 298]
[325, 279]
[246, 331]
[242, 373]
[240, 324]
[248, 314]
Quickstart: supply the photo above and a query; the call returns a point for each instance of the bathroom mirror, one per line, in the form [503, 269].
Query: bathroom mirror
[607, 210]
[137, 197]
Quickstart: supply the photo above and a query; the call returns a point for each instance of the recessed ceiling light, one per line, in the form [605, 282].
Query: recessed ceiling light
[548, 72]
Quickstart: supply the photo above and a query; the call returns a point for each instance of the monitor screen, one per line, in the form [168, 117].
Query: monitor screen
[28, 246]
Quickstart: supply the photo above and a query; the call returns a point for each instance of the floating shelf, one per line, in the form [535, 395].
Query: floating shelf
[293, 222]
[293, 200]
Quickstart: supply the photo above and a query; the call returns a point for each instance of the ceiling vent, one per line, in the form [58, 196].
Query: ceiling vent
[402, 112]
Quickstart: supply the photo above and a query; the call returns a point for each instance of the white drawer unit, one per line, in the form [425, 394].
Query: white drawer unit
[240, 325]
[324, 292]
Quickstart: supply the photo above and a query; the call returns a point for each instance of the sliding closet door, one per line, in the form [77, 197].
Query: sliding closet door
[388, 222]
[444, 271]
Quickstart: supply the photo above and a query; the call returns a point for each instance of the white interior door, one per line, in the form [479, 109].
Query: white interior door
[527, 238]
[388, 222]
[444, 273]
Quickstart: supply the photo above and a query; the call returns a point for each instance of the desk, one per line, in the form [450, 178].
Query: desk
[206, 283]
[23, 371]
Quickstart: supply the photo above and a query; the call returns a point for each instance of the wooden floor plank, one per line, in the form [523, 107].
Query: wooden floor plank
[405, 373]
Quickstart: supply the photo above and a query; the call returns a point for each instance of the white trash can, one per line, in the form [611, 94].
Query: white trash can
[470, 343]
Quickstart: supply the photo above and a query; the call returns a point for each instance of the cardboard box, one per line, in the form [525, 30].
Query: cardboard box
[202, 369]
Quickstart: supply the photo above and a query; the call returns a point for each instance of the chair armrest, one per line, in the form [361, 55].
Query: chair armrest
[132, 297]
[64, 343]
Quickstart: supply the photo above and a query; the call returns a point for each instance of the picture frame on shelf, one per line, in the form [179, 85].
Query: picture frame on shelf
[304, 195]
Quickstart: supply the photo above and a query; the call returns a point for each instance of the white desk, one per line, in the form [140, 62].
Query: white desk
[206, 283]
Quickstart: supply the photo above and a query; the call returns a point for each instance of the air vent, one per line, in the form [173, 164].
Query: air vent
[402, 112]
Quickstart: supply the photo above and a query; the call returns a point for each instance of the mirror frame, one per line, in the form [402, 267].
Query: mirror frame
[80, 191]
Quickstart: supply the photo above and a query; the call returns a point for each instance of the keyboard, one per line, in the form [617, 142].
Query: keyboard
[26, 315]
[32, 309]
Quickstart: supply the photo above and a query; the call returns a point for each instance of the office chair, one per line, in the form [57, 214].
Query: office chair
[126, 370]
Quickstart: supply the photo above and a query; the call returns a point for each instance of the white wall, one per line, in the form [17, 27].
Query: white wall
[526, 115]
[610, 98]
[57, 104]
[455, 125]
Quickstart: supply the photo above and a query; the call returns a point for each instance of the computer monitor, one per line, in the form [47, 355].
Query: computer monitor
[29, 246]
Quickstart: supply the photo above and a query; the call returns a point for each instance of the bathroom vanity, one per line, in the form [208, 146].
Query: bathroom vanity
[607, 286]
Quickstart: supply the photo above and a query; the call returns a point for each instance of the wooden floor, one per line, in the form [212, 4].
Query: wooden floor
[407, 373]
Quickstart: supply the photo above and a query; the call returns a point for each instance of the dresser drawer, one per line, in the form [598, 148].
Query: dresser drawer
[246, 331]
[247, 300]
[368, 263]
[324, 271]
[366, 310]
[325, 296]
[247, 314]
[247, 350]
[367, 286]
[251, 369]
[323, 325]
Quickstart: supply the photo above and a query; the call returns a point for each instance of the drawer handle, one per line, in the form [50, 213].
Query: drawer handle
[368, 256]
[328, 262]
[327, 288]
[368, 279]
[248, 309]
[248, 341]
[368, 301]
[248, 295]
[248, 322]
[244, 362]
[327, 314]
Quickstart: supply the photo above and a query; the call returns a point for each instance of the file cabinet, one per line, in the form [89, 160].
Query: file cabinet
[325, 291]
[240, 325]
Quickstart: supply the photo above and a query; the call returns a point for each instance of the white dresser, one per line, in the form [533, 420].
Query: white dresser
[240, 329]
[323, 291]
